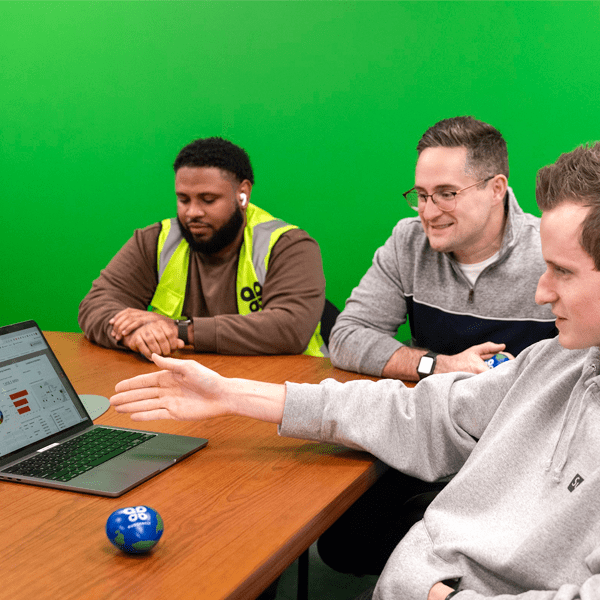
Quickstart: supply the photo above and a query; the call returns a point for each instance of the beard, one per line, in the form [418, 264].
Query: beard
[221, 238]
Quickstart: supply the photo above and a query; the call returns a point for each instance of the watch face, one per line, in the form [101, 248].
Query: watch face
[425, 364]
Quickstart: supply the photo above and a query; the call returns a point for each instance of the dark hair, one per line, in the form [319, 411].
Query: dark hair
[575, 177]
[486, 149]
[216, 152]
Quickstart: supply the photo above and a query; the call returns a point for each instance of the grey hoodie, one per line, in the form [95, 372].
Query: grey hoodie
[522, 516]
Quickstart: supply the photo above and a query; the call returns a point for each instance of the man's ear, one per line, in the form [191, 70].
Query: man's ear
[243, 192]
[499, 185]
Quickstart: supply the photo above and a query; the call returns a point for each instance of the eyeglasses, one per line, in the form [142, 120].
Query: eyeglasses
[445, 200]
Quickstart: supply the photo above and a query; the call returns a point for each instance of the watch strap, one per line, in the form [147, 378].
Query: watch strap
[182, 330]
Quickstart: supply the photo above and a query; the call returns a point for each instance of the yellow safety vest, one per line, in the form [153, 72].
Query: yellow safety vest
[260, 234]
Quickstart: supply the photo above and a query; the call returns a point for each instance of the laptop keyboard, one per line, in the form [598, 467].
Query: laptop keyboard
[76, 456]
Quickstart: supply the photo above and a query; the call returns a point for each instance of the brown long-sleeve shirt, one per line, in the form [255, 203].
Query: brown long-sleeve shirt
[293, 296]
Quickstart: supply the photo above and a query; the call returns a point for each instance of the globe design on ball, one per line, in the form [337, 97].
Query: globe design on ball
[496, 360]
[135, 529]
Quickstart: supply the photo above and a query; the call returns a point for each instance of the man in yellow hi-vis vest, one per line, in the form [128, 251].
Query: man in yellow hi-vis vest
[223, 276]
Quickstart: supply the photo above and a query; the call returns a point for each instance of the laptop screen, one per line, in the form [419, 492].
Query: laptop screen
[34, 401]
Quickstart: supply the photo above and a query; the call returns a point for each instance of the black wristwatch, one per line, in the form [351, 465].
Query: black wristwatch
[182, 330]
[426, 365]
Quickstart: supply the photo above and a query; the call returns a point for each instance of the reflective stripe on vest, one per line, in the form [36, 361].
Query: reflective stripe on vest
[260, 235]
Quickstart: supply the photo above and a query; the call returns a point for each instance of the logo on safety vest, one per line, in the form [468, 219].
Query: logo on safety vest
[254, 296]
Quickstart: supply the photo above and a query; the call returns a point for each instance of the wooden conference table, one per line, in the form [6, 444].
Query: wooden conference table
[236, 513]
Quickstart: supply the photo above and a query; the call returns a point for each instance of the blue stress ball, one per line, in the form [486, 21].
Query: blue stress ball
[135, 529]
[496, 360]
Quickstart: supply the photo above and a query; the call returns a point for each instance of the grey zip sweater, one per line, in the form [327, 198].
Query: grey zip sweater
[522, 516]
[409, 280]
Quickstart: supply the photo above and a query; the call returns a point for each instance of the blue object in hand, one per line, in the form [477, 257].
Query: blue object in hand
[135, 529]
[496, 360]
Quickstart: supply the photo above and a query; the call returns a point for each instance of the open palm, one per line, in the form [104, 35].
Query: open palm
[184, 390]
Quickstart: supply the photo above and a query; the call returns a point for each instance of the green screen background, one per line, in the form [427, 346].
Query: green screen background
[328, 98]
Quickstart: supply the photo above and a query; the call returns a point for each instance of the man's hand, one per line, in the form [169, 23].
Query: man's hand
[129, 319]
[439, 591]
[186, 390]
[159, 336]
[470, 360]
[403, 363]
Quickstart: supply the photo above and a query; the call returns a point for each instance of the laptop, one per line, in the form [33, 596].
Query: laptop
[48, 438]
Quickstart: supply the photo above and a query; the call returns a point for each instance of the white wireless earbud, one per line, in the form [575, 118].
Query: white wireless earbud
[244, 199]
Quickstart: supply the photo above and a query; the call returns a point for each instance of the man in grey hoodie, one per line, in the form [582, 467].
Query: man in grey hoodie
[521, 519]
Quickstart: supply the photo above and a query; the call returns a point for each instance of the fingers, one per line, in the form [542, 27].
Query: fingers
[127, 403]
[486, 350]
[158, 337]
[128, 320]
[179, 365]
[163, 339]
[140, 409]
[137, 344]
[151, 415]
[171, 364]
[125, 327]
[489, 348]
[116, 329]
[185, 372]
[147, 380]
[123, 322]
[118, 316]
[136, 400]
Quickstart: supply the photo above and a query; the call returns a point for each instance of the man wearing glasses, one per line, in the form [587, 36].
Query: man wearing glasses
[464, 273]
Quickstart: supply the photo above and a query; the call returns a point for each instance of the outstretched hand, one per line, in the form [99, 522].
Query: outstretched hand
[185, 390]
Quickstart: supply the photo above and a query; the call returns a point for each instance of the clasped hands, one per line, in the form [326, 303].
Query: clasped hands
[146, 332]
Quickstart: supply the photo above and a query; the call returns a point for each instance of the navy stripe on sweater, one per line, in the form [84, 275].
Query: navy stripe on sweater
[448, 333]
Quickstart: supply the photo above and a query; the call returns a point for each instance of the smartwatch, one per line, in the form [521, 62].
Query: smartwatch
[182, 330]
[426, 365]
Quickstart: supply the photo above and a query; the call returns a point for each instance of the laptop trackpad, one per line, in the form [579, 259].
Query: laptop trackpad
[121, 473]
